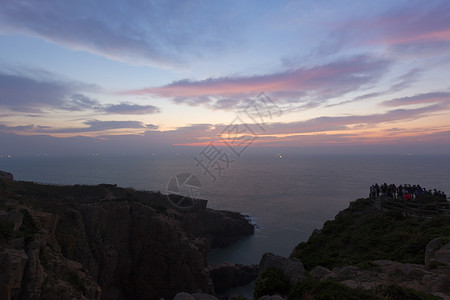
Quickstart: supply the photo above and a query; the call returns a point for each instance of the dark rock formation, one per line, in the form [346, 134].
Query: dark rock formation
[227, 276]
[291, 267]
[32, 266]
[6, 176]
[384, 272]
[92, 242]
[438, 250]
[221, 228]
[195, 296]
[145, 255]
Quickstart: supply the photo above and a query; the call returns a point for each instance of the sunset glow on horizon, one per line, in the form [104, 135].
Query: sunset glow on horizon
[138, 77]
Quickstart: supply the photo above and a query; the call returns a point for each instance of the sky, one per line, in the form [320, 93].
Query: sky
[139, 77]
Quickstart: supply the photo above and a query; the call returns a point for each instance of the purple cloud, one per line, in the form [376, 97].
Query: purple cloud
[96, 125]
[129, 109]
[427, 98]
[158, 33]
[320, 83]
[43, 90]
[416, 28]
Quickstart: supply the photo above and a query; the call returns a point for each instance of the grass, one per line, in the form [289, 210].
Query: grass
[361, 233]
[271, 281]
[330, 290]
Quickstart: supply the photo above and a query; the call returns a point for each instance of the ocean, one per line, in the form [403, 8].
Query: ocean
[287, 197]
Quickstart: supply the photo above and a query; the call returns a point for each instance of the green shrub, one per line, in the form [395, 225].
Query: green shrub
[28, 228]
[75, 280]
[270, 282]
[331, 290]
[327, 290]
[434, 264]
[362, 233]
[396, 292]
[6, 230]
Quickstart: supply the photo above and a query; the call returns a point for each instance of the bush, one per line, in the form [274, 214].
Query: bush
[270, 282]
[434, 264]
[28, 228]
[395, 292]
[75, 280]
[362, 233]
[327, 290]
[6, 230]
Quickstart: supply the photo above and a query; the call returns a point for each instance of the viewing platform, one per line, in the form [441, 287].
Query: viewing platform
[410, 200]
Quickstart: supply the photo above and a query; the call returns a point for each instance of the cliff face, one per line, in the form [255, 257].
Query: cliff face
[31, 264]
[106, 242]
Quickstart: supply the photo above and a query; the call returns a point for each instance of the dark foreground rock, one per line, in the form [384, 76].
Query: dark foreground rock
[291, 267]
[227, 276]
[6, 176]
[105, 242]
[365, 253]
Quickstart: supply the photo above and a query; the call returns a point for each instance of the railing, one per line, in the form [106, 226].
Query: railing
[413, 208]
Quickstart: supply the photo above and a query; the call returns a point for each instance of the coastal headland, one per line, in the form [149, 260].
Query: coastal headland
[108, 242]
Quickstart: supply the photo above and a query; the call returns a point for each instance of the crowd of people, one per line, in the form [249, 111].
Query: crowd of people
[406, 192]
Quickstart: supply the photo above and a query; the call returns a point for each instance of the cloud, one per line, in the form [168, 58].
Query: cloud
[158, 33]
[98, 126]
[322, 82]
[347, 131]
[33, 94]
[129, 109]
[80, 102]
[427, 98]
[92, 126]
[402, 82]
[416, 28]
[42, 90]
[339, 123]
[30, 95]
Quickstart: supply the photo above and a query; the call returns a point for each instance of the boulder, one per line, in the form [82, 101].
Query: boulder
[438, 250]
[227, 275]
[183, 296]
[195, 296]
[291, 267]
[274, 297]
[6, 176]
[203, 296]
[319, 272]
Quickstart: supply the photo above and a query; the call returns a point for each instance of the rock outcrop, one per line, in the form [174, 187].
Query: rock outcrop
[32, 266]
[105, 242]
[6, 176]
[194, 296]
[438, 250]
[227, 276]
[291, 267]
[384, 272]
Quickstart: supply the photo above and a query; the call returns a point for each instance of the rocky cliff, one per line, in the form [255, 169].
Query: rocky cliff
[364, 253]
[105, 242]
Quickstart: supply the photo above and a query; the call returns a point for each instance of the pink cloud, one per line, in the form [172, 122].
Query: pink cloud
[323, 81]
[427, 98]
[418, 26]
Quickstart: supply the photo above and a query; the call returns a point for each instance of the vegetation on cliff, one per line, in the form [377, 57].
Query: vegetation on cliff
[361, 233]
[366, 253]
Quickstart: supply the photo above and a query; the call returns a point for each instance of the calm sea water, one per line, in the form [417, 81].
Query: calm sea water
[287, 197]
